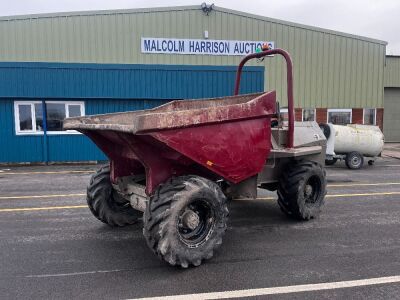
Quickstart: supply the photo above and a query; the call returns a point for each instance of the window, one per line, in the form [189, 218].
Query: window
[309, 114]
[284, 114]
[29, 116]
[369, 116]
[339, 116]
[25, 117]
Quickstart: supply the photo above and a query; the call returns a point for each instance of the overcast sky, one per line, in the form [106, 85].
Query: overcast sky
[378, 19]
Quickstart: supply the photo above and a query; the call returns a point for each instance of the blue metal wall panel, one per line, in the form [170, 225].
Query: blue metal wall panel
[61, 148]
[16, 148]
[104, 88]
[58, 80]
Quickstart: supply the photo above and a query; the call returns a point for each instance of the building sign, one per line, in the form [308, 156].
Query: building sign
[201, 47]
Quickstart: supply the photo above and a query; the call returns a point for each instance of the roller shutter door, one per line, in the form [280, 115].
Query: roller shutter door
[391, 116]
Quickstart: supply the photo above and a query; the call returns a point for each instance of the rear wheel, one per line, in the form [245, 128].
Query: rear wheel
[302, 190]
[105, 203]
[185, 220]
[354, 160]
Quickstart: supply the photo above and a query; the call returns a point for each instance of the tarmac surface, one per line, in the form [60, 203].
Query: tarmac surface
[53, 248]
[391, 150]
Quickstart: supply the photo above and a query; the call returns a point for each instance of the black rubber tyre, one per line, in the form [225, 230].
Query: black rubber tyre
[330, 162]
[302, 189]
[105, 203]
[325, 129]
[354, 160]
[167, 229]
[226, 189]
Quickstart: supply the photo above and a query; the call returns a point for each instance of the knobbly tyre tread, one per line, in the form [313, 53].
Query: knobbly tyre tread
[160, 229]
[290, 190]
[100, 199]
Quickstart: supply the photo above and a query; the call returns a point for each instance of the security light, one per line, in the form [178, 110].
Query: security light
[207, 8]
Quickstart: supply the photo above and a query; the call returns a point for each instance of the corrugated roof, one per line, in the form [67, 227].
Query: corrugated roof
[183, 8]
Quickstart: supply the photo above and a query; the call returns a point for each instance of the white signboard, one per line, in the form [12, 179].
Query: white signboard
[201, 47]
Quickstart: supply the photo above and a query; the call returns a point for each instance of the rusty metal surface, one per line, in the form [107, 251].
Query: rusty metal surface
[181, 113]
[215, 138]
[235, 151]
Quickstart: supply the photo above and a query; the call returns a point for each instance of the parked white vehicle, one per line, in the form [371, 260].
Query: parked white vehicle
[352, 143]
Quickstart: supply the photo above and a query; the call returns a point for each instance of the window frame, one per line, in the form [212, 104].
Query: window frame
[32, 103]
[374, 116]
[284, 110]
[66, 103]
[315, 114]
[18, 130]
[339, 110]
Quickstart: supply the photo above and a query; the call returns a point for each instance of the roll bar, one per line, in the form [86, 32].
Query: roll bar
[289, 66]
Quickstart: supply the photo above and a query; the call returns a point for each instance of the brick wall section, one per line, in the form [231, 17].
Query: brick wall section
[298, 114]
[357, 116]
[379, 118]
[321, 115]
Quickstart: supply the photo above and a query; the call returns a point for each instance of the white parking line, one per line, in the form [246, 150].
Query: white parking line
[73, 274]
[282, 289]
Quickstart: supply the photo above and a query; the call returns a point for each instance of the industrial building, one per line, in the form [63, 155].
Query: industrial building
[54, 66]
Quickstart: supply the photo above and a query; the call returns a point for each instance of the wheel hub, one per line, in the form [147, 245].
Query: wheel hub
[190, 219]
[355, 161]
[195, 223]
[308, 190]
[311, 190]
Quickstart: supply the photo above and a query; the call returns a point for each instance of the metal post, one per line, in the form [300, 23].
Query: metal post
[289, 74]
[44, 120]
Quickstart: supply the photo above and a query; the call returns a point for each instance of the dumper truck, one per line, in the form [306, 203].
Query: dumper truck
[174, 166]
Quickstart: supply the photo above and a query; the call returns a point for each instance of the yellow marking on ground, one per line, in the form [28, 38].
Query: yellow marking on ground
[265, 198]
[41, 196]
[44, 172]
[41, 208]
[363, 184]
[261, 198]
[363, 194]
[335, 195]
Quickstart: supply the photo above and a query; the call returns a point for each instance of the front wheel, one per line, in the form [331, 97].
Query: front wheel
[302, 189]
[354, 160]
[185, 220]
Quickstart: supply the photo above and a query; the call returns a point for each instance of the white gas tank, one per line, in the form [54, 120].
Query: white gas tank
[365, 139]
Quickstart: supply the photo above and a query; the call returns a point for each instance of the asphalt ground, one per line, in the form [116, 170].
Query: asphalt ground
[53, 248]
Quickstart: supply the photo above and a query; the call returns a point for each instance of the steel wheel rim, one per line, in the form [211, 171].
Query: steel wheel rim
[355, 161]
[195, 223]
[312, 190]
